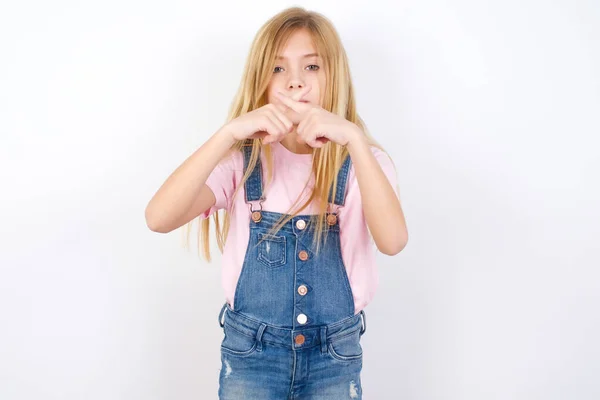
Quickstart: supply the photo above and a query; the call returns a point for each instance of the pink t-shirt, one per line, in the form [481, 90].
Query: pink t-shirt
[291, 171]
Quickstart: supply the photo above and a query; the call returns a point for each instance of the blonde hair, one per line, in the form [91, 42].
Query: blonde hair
[252, 94]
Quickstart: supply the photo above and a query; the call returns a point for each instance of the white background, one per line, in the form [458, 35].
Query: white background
[489, 109]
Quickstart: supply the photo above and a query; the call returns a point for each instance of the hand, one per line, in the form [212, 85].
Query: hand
[268, 122]
[317, 125]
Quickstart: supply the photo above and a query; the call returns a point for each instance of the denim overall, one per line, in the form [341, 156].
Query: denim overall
[292, 333]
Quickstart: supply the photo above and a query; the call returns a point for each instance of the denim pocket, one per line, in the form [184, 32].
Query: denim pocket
[271, 250]
[346, 347]
[237, 343]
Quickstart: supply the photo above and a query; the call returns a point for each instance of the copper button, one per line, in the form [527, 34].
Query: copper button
[299, 339]
[303, 255]
[302, 290]
[256, 216]
[331, 219]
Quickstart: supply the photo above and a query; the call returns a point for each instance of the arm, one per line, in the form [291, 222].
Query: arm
[381, 205]
[184, 195]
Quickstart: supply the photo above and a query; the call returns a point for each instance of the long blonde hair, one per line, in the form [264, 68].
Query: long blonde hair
[252, 94]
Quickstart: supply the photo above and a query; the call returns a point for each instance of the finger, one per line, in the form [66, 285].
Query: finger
[284, 120]
[298, 95]
[270, 128]
[259, 135]
[306, 121]
[320, 141]
[311, 138]
[280, 125]
[314, 134]
[293, 104]
[301, 130]
[303, 92]
[305, 129]
[315, 140]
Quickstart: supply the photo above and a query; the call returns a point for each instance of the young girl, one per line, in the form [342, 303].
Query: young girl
[306, 192]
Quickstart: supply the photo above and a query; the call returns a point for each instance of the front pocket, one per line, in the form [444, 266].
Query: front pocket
[237, 343]
[271, 250]
[346, 348]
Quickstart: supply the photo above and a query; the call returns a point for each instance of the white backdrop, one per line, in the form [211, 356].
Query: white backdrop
[489, 109]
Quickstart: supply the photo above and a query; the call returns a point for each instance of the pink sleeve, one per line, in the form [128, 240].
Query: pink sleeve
[357, 223]
[222, 183]
[387, 165]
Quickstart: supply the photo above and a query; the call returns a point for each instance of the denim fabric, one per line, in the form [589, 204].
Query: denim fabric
[292, 332]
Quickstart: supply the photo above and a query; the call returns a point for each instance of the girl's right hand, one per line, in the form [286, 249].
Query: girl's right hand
[267, 122]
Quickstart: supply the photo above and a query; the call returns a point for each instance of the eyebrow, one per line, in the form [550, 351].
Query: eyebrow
[304, 56]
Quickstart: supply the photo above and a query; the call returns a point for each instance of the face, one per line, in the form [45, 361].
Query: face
[297, 66]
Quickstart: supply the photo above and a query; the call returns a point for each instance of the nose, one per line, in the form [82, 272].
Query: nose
[296, 82]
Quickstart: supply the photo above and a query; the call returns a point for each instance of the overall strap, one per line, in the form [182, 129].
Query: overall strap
[254, 185]
[342, 178]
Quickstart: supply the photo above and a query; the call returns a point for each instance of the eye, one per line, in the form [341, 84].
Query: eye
[316, 67]
[275, 69]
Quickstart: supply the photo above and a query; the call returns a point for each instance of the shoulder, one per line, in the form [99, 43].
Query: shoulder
[380, 154]
[232, 161]
[385, 163]
[382, 157]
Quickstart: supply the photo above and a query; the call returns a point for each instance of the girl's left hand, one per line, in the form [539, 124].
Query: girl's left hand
[318, 126]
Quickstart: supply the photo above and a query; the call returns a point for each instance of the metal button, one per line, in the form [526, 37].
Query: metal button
[256, 216]
[331, 219]
[301, 224]
[302, 289]
[299, 339]
[302, 319]
[303, 255]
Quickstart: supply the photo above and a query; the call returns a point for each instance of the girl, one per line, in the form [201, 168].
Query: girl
[306, 192]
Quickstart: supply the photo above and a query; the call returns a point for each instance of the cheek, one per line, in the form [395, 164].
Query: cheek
[271, 98]
[321, 82]
[275, 85]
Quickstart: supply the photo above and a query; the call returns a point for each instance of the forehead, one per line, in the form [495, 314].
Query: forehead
[299, 45]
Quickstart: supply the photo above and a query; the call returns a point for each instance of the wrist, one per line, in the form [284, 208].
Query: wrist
[356, 138]
[225, 134]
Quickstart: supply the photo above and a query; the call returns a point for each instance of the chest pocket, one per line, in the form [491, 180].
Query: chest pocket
[271, 250]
